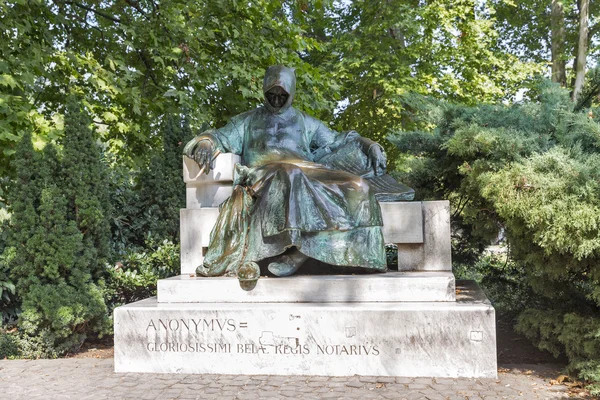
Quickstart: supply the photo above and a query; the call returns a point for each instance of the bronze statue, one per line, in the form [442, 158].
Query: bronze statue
[302, 190]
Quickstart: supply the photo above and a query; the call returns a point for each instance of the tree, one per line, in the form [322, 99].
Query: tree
[557, 26]
[83, 180]
[57, 240]
[445, 49]
[61, 306]
[161, 186]
[542, 31]
[531, 170]
[582, 47]
[132, 62]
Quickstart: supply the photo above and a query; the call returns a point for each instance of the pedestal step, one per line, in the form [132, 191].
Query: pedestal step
[388, 287]
[445, 339]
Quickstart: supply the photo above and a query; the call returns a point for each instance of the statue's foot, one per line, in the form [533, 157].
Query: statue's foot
[288, 263]
[201, 270]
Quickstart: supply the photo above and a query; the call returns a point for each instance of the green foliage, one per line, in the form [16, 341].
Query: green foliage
[14, 344]
[134, 62]
[8, 311]
[553, 201]
[441, 48]
[525, 28]
[391, 256]
[57, 239]
[591, 91]
[458, 144]
[9, 346]
[61, 315]
[161, 187]
[83, 178]
[128, 218]
[575, 334]
[148, 202]
[503, 280]
[135, 277]
[530, 172]
[8, 300]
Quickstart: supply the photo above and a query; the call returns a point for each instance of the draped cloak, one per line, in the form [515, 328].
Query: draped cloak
[283, 196]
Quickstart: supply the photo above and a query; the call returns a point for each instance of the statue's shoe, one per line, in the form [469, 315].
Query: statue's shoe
[287, 264]
[201, 270]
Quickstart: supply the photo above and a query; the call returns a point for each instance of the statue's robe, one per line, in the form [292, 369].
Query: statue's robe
[284, 197]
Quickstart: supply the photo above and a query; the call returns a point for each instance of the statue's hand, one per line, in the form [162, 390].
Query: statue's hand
[203, 155]
[376, 159]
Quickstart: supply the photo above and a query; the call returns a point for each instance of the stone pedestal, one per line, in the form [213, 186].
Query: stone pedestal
[437, 339]
[406, 323]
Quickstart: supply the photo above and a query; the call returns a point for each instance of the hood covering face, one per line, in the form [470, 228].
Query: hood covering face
[285, 78]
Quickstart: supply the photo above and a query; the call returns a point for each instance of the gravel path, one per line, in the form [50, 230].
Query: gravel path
[89, 378]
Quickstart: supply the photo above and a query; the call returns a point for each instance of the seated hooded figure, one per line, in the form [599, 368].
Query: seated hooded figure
[301, 191]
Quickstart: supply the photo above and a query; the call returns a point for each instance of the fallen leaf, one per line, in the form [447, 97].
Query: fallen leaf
[380, 385]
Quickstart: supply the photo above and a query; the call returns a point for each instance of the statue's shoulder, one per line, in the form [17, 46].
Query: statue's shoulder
[310, 121]
[245, 115]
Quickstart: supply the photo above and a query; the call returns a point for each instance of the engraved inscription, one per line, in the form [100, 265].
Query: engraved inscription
[267, 343]
[192, 325]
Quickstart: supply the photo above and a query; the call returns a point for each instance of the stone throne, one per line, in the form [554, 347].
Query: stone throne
[405, 323]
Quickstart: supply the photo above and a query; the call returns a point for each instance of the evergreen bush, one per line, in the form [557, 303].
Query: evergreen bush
[83, 179]
[529, 172]
[161, 186]
[59, 240]
[147, 202]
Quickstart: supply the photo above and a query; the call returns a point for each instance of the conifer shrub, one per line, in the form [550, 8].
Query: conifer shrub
[146, 222]
[83, 179]
[504, 282]
[158, 191]
[58, 240]
[529, 172]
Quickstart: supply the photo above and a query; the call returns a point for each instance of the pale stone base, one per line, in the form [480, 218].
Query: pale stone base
[443, 339]
[392, 286]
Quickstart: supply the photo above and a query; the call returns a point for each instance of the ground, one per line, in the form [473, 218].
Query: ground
[91, 378]
[524, 373]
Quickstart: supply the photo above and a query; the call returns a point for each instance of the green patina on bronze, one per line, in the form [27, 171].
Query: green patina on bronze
[302, 190]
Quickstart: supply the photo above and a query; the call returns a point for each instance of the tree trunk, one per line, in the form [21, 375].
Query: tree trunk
[581, 48]
[557, 29]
